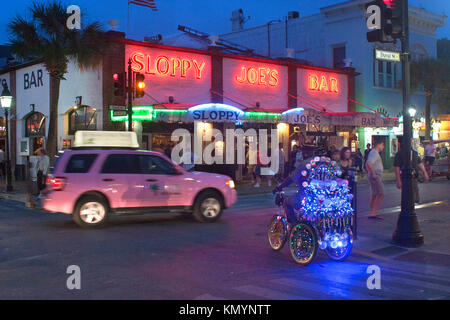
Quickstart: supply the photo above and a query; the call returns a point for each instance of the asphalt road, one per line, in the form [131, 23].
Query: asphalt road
[173, 257]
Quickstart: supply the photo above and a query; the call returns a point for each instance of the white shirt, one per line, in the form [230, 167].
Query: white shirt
[430, 150]
[44, 163]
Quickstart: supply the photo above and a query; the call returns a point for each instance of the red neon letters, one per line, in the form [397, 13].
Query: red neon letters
[163, 65]
[321, 83]
[260, 76]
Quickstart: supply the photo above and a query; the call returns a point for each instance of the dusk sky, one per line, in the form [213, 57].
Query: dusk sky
[210, 16]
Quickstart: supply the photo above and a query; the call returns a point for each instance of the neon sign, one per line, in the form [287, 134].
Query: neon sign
[323, 83]
[166, 66]
[216, 112]
[258, 76]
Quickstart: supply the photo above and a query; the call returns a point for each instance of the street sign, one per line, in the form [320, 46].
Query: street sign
[118, 108]
[387, 55]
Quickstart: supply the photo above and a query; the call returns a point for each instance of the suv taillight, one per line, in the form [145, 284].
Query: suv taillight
[56, 183]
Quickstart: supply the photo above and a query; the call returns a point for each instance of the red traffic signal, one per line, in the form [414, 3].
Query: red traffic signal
[119, 83]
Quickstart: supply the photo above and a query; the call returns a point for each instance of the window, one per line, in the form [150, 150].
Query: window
[155, 165]
[80, 163]
[121, 164]
[386, 74]
[82, 118]
[338, 57]
[35, 125]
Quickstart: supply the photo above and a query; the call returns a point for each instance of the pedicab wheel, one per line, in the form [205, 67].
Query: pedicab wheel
[340, 253]
[303, 244]
[277, 232]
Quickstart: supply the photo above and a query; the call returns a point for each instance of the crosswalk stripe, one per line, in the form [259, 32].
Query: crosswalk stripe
[208, 296]
[269, 293]
[388, 276]
[331, 288]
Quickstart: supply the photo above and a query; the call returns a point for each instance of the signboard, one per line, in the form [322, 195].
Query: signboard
[24, 146]
[304, 116]
[250, 82]
[118, 139]
[117, 108]
[322, 89]
[387, 55]
[182, 75]
[215, 112]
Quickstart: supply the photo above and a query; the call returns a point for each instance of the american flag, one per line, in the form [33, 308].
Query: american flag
[145, 3]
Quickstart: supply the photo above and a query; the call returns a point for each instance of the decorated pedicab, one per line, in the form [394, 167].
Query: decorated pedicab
[324, 215]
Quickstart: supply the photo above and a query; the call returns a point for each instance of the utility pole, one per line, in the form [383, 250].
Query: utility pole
[130, 96]
[407, 233]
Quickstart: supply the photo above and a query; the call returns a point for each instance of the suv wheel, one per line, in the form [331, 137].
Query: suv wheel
[90, 212]
[208, 207]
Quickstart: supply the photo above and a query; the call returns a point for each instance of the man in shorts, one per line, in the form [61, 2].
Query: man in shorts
[374, 167]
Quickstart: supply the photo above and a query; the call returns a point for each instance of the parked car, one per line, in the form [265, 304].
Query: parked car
[92, 184]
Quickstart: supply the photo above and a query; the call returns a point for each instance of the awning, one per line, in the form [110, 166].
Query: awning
[218, 112]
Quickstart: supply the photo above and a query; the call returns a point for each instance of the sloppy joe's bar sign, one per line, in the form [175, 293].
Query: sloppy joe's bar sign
[323, 89]
[255, 82]
[183, 75]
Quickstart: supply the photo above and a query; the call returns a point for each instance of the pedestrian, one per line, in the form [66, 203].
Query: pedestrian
[281, 162]
[32, 189]
[292, 157]
[2, 163]
[366, 153]
[416, 165]
[374, 167]
[335, 156]
[345, 162]
[358, 160]
[43, 165]
[430, 155]
[331, 150]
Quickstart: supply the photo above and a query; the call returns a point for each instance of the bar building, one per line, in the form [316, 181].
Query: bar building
[215, 86]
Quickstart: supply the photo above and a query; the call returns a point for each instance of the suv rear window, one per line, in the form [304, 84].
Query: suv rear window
[80, 163]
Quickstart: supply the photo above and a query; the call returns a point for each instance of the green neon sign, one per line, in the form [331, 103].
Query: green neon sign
[141, 113]
[262, 114]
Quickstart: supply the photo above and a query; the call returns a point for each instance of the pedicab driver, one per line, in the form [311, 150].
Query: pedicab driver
[293, 201]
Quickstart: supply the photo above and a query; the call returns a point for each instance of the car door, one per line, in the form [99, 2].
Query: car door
[120, 180]
[162, 182]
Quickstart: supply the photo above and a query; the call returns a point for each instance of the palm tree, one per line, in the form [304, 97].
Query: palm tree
[432, 75]
[45, 36]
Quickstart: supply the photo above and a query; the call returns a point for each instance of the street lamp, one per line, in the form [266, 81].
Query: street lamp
[408, 231]
[268, 35]
[5, 102]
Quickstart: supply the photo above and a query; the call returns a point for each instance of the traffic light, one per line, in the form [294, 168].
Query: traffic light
[119, 83]
[140, 85]
[394, 12]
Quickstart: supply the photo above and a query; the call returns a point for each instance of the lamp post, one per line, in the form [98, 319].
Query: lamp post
[408, 232]
[6, 101]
